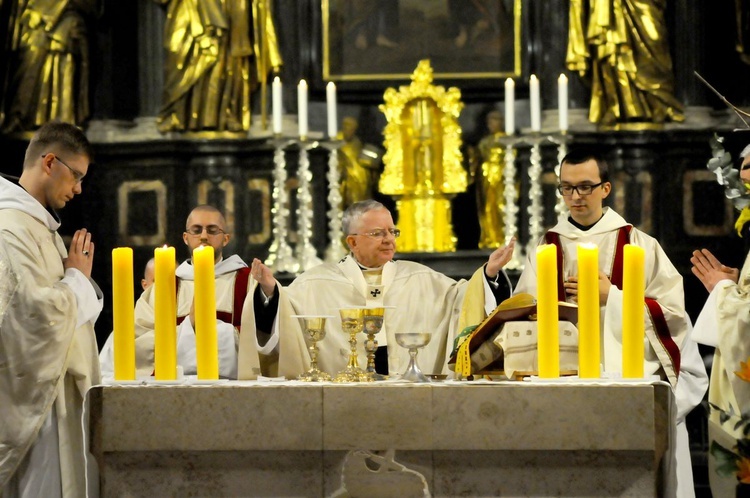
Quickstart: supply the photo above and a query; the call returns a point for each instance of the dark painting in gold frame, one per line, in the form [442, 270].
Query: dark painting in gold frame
[367, 40]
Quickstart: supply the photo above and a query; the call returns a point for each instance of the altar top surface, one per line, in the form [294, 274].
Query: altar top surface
[440, 416]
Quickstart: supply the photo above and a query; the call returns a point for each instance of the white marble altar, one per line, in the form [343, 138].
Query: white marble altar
[382, 439]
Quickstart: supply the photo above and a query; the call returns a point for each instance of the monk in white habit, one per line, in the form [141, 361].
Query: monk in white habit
[48, 306]
[669, 351]
[205, 226]
[723, 324]
[420, 300]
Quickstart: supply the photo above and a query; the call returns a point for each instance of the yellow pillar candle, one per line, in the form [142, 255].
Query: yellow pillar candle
[546, 305]
[123, 317]
[588, 311]
[633, 311]
[206, 342]
[165, 315]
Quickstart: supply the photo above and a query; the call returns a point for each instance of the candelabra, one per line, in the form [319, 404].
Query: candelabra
[510, 204]
[536, 208]
[335, 250]
[306, 254]
[280, 257]
[561, 140]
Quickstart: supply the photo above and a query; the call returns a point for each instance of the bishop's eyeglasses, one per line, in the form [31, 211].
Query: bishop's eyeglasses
[380, 233]
[585, 189]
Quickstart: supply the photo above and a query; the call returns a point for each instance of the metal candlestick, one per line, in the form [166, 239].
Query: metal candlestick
[536, 208]
[335, 250]
[306, 253]
[510, 206]
[280, 256]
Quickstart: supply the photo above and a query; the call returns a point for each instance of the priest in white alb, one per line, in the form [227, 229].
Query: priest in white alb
[205, 226]
[417, 298]
[48, 306]
[723, 324]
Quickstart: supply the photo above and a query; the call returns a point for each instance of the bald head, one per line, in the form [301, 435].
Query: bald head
[206, 209]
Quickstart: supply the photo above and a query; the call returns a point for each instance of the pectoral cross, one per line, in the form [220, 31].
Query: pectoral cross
[375, 293]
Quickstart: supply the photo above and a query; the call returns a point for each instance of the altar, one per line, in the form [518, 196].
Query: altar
[447, 438]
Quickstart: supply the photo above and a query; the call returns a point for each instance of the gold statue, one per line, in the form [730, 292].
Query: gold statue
[49, 64]
[488, 177]
[217, 52]
[423, 161]
[625, 43]
[359, 167]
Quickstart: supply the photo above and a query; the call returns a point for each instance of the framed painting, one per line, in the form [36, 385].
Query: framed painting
[370, 40]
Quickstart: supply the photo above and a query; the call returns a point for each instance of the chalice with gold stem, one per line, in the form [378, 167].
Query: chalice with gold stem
[372, 319]
[314, 327]
[352, 323]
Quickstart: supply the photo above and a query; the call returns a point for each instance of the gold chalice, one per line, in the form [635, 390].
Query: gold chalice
[372, 319]
[413, 341]
[351, 322]
[315, 330]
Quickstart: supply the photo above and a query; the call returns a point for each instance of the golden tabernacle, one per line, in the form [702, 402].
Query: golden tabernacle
[423, 160]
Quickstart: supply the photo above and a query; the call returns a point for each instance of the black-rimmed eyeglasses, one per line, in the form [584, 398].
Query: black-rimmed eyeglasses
[585, 189]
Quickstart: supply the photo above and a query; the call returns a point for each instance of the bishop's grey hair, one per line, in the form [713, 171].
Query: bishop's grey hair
[745, 152]
[356, 211]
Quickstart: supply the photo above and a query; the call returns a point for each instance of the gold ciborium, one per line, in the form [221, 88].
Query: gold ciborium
[314, 327]
[352, 322]
[413, 341]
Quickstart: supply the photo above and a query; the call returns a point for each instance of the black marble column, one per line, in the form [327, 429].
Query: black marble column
[150, 57]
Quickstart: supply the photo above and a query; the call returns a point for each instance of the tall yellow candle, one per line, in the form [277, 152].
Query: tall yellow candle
[123, 317]
[588, 311]
[165, 315]
[633, 311]
[547, 319]
[206, 342]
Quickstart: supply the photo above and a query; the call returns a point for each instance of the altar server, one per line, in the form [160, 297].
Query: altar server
[669, 352]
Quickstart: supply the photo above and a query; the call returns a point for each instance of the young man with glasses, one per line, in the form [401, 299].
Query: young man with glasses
[422, 300]
[205, 226]
[48, 305]
[669, 350]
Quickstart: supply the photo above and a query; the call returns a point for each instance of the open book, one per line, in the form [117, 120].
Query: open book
[516, 308]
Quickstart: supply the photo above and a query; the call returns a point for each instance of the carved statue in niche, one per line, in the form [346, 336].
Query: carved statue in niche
[48, 63]
[487, 173]
[359, 165]
[423, 160]
[217, 52]
[626, 50]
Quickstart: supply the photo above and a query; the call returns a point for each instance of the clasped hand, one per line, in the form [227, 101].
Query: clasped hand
[710, 271]
[571, 288]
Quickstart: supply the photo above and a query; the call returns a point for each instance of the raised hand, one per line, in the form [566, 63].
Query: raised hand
[264, 276]
[499, 258]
